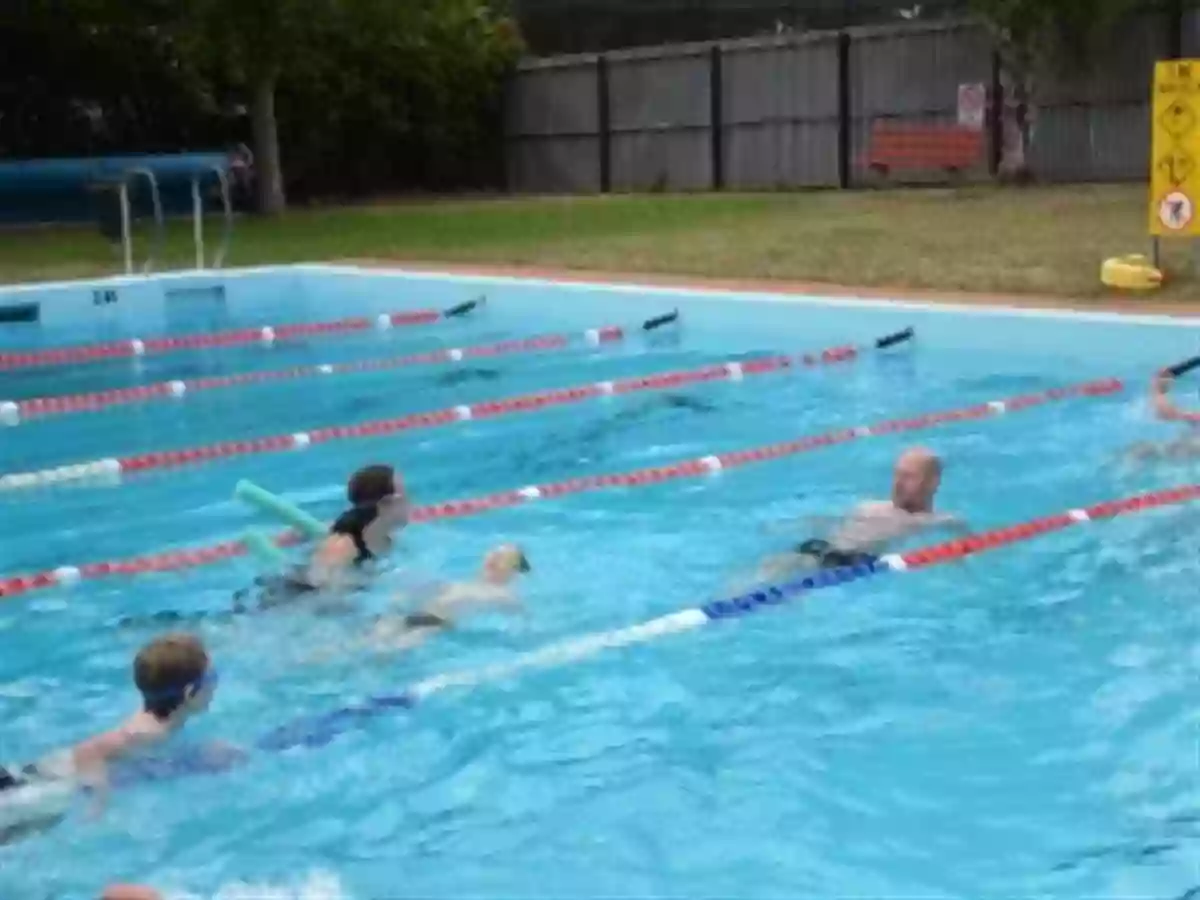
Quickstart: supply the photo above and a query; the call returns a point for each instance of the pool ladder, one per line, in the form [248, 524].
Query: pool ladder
[160, 231]
[130, 179]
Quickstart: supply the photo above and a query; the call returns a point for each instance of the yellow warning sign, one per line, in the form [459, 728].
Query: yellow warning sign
[1175, 149]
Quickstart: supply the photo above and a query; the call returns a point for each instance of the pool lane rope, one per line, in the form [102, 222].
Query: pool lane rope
[266, 335]
[15, 412]
[705, 466]
[110, 469]
[318, 730]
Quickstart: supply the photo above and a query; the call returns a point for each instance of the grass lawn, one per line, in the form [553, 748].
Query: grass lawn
[1047, 241]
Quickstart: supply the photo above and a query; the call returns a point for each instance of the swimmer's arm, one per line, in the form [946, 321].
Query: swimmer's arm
[1164, 406]
[947, 521]
[91, 760]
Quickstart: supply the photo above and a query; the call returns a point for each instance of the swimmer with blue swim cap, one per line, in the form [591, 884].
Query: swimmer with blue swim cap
[875, 525]
[176, 679]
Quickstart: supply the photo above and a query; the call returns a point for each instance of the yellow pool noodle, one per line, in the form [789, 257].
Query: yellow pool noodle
[274, 505]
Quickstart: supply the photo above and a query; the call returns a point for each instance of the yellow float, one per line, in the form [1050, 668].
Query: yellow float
[1131, 273]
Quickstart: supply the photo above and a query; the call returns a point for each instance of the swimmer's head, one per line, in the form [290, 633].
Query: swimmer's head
[173, 673]
[504, 563]
[915, 480]
[378, 487]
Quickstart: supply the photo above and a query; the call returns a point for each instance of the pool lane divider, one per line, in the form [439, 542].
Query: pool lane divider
[111, 469]
[14, 412]
[705, 466]
[266, 335]
[318, 730]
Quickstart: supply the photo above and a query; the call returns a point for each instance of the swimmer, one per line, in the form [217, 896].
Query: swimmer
[174, 675]
[360, 535]
[1187, 446]
[492, 589]
[871, 527]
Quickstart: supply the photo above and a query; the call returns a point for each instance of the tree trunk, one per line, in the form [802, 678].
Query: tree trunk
[1017, 121]
[269, 172]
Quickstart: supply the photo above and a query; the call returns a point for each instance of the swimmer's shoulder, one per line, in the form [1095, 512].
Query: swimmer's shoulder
[138, 731]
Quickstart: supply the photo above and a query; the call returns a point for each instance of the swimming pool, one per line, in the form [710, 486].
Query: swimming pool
[1015, 725]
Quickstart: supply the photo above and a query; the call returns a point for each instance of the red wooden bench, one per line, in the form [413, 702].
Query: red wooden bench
[950, 148]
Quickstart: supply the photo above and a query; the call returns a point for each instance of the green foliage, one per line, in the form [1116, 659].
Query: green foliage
[371, 94]
[403, 93]
[94, 77]
[1039, 31]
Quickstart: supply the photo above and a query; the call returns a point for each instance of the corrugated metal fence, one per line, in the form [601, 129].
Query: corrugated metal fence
[799, 111]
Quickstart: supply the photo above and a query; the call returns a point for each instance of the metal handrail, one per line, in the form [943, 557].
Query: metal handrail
[198, 220]
[160, 231]
[159, 220]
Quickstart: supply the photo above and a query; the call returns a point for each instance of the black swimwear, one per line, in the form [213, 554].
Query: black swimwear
[829, 557]
[9, 781]
[279, 590]
[275, 590]
[352, 523]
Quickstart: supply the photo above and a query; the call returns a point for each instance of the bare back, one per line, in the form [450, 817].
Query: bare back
[464, 598]
[874, 525]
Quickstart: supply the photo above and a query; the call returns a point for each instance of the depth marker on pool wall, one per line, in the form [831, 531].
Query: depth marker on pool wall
[704, 466]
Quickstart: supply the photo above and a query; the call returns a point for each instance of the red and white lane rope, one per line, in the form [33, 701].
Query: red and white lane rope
[14, 412]
[266, 335]
[693, 468]
[111, 468]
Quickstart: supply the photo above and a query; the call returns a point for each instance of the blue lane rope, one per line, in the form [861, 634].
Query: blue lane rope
[311, 732]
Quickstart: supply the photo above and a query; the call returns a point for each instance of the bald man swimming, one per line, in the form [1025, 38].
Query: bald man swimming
[873, 526]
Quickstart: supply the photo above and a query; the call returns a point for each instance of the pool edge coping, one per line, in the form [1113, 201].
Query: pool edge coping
[682, 287]
[768, 291]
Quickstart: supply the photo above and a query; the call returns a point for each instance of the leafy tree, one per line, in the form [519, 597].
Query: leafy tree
[345, 96]
[95, 77]
[250, 44]
[1033, 36]
[358, 78]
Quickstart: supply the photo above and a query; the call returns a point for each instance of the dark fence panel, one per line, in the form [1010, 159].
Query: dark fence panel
[781, 112]
[1094, 125]
[553, 127]
[800, 110]
[660, 114]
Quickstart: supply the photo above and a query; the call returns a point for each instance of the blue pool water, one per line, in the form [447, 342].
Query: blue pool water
[1021, 724]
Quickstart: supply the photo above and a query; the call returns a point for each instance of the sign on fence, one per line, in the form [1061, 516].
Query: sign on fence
[972, 106]
[1175, 150]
